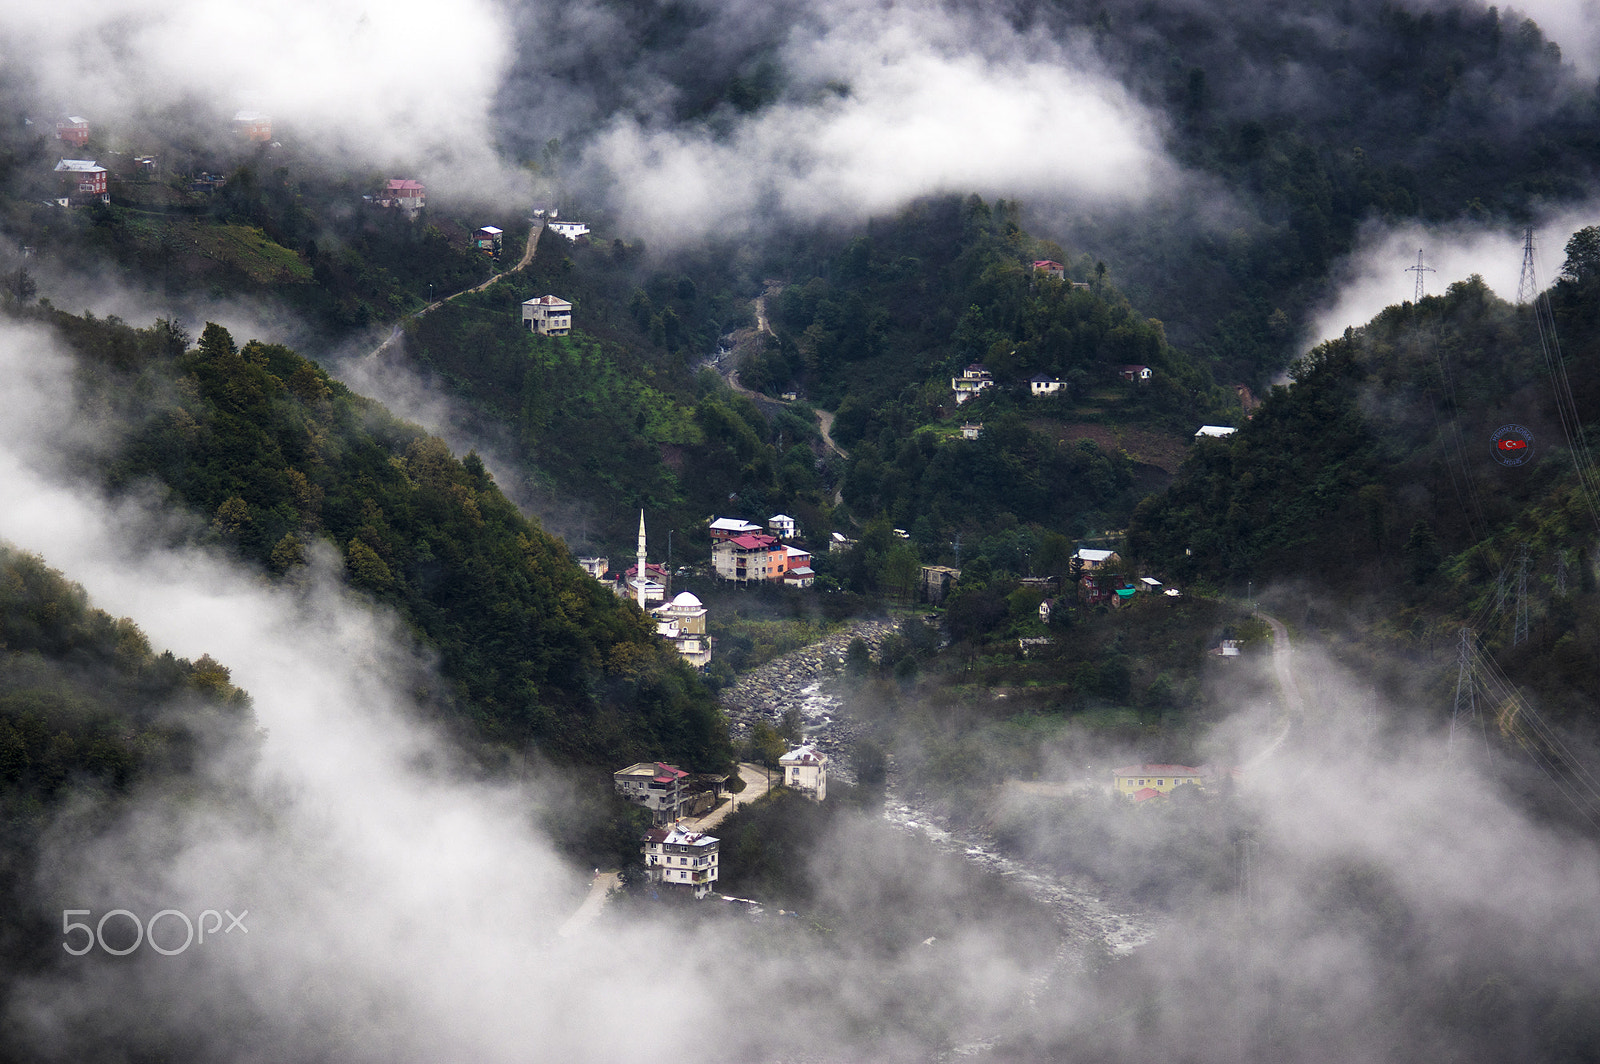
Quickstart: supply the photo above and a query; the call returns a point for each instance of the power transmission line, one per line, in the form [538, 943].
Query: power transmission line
[1465, 714]
[1520, 635]
[1419, 269]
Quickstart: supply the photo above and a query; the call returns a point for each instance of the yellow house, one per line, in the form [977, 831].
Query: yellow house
[1132, 780]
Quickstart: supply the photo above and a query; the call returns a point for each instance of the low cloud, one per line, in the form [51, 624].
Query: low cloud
[886, 104]
[1379, 274]
[374, 85]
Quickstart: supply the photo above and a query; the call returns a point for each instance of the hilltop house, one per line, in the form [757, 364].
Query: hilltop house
[681, 860]
[73, 130]
[659, 787]
[1136, 373]
[1096, 559]
[403, 193]
[596, 567]
[683, 623]
[805, 769]
[1051, 268]
[489, 239]
[1130, 780]
[973, 379]
[548, 315]
[82, 181]
[255, 127]
[1043, 385]
[753, 556]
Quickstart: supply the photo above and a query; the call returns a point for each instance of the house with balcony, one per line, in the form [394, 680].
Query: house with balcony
[659, 787]
[596, 566]
[973, 379]
[805, 769]
[680, 860]
[548, 315]
[753, 556]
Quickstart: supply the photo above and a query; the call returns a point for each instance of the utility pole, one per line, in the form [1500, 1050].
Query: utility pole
[1419, 269]
[1528, 285]
[1521, 634]
[1561, 573]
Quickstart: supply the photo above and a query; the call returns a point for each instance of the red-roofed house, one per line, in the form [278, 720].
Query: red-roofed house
[657, 786]
[1051, 267]
[410, 196]
[1132, 779]
[752, 556]
[1144, 794]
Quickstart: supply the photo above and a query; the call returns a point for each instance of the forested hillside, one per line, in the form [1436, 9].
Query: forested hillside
[1377, 472]
[279, 462]
[90, 714]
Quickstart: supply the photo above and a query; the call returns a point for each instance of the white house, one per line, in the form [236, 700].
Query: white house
[973, 379]
[657, 786]
[683, 622]
[404, 193]
[1215, 430]
[1136, 373]
[972, 430]
[782, 526]
[548, 315]
[1043, 385]
[595, 566]
[805, 769]
[681, 860]
[570, 230]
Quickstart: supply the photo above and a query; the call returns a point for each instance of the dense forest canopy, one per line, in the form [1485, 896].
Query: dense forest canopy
[281, 460]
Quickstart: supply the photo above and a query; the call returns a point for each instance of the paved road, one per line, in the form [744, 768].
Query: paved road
[522, 264]
[599, 891]
[1293, 702]
[755, 785]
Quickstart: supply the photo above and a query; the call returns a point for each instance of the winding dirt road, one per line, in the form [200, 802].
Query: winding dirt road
[522, 264]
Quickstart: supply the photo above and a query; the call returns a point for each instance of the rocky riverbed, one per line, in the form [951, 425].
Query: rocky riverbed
[804, 679]
[808, 679]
